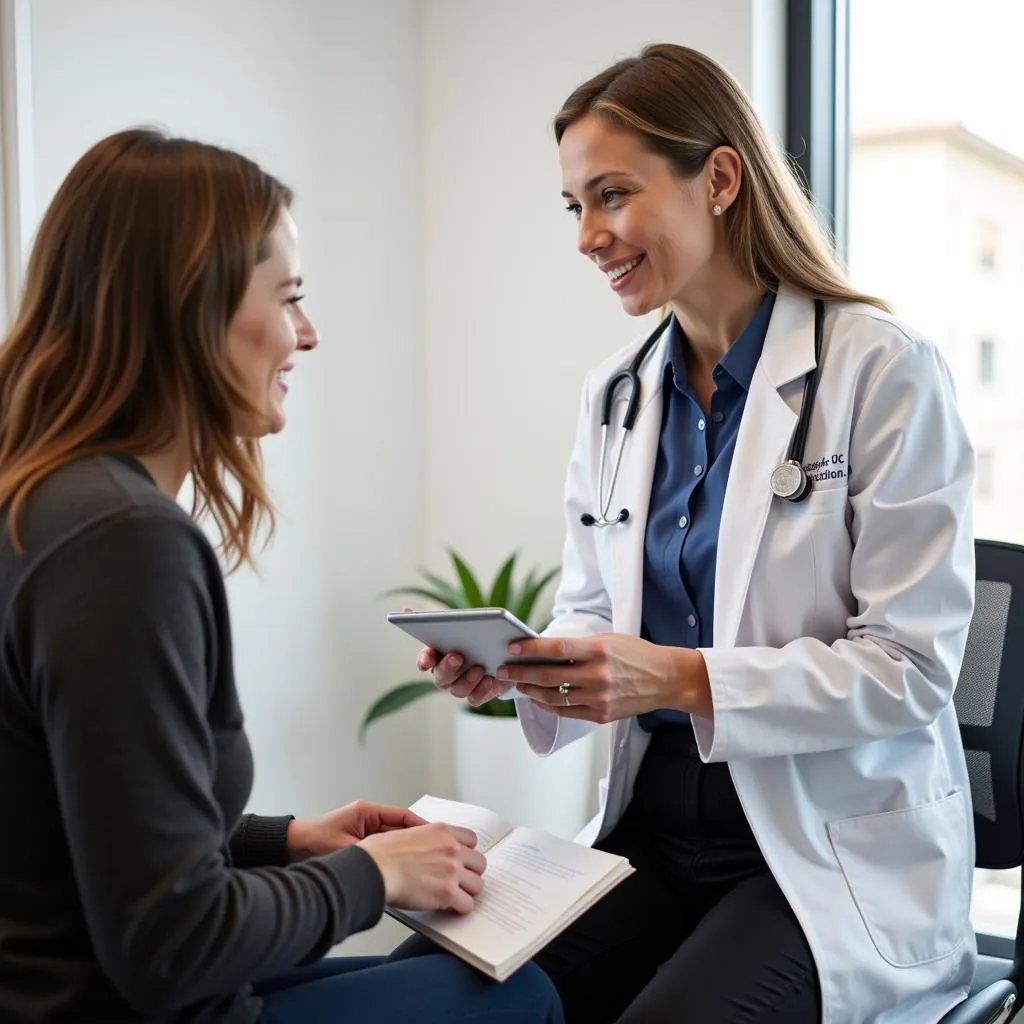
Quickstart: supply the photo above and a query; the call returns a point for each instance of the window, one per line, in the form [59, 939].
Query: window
[986, 361]
[958, 148]
[934, 196]
[988, 241]
[985, 474]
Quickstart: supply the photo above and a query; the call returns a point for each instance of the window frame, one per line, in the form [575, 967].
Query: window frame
[16, 148]
[817, 107]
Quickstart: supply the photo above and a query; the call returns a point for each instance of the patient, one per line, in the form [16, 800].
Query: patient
[160, 320]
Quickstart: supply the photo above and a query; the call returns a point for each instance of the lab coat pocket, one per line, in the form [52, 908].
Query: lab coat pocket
[822, 501]
[905, 870]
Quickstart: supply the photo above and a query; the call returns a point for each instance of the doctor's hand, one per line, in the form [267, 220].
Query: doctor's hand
[613, 676]
[312, 837]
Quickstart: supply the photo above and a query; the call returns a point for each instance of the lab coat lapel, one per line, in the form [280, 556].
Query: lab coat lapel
[636, 478]
[769, 419]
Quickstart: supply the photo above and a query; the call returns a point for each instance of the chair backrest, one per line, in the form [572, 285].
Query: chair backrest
[989, 702]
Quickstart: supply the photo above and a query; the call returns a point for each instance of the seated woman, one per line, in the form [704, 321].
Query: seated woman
[160, 317]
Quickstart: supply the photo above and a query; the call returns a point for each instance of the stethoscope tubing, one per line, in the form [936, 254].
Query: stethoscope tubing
[788, 480]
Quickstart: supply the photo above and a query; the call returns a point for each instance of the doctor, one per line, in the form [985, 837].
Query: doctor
[768, 596]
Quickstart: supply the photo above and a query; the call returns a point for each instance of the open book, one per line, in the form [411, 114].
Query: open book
[535, 885]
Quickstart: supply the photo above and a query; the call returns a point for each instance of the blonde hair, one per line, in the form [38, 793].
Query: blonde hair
[120, 343]
[683, 105]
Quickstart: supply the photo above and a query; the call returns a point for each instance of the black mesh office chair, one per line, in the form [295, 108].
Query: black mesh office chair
[989, 703]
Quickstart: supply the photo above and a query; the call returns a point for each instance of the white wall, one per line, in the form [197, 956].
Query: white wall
[513, 315]
[322, 94]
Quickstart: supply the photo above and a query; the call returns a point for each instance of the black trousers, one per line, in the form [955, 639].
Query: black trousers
[701, 932]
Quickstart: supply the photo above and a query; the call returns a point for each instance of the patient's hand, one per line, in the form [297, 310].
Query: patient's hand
[436, 867]
[311, 837]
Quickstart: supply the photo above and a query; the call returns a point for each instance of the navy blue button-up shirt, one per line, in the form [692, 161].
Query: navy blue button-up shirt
[695, 453]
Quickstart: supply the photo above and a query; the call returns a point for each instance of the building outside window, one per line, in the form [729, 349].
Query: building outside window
[988, 241]
[986, 361]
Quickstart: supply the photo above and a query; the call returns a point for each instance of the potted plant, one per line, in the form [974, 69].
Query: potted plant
[494, 766]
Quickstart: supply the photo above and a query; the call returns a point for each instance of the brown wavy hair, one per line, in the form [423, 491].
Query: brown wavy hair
[120, 342]
[683, 106]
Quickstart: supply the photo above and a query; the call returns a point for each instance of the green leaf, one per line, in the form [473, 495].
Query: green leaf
[470, 587]
[529, 598]
[518, 594]
[454, 596]
[502, 585]
[393, 700]
[433, 596]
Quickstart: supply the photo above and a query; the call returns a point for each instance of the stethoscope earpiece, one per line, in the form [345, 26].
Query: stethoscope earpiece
[789, 480]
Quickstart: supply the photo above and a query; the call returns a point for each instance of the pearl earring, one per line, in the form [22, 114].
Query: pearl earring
[717, 210]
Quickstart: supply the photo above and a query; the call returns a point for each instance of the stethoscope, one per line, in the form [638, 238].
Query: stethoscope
[788, 480]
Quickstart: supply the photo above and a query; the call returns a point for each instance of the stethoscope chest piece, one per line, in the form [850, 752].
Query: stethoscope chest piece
[789, 480]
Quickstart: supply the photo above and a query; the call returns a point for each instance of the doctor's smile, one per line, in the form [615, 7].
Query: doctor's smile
[621, 272]
[280, 379]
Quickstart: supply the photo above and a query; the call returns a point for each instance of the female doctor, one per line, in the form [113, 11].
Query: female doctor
[768, 596]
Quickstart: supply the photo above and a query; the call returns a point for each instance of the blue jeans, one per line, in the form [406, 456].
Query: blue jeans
[431, 989]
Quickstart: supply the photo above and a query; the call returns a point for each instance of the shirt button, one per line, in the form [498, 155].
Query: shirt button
[697, 470]
[700, 424]
[682, 522]
[717, 417]
[691, 620]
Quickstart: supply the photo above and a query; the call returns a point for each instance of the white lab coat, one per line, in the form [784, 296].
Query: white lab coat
[840, 626]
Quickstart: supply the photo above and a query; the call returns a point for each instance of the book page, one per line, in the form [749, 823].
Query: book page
[533, 882]
[489, 828]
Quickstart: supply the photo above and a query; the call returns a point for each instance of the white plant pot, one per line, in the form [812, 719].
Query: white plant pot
[495, 768]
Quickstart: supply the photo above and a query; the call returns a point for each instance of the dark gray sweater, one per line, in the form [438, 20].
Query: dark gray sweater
[131, 887]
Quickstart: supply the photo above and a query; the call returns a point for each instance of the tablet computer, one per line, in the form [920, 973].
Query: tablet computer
[480, 635]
